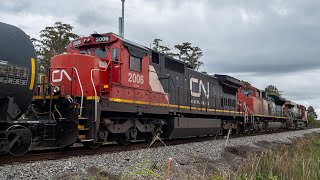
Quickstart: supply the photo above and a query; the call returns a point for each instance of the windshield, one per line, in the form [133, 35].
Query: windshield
[247, 91]
[100, 52]
[85, 51]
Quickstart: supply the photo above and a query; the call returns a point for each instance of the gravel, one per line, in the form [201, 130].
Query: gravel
[189, 160]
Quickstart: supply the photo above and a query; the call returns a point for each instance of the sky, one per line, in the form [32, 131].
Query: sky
[264, 42]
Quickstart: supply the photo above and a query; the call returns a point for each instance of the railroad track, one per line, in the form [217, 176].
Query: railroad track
[57, 153]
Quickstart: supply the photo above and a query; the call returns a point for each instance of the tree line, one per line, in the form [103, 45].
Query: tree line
[53, 40]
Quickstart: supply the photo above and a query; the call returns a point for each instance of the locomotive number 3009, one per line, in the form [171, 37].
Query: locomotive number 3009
[135, 78]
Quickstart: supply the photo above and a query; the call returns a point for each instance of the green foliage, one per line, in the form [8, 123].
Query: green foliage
[53, 41]
[143, 169]
[301, 161]
[312, 121]
[160, 48]
[186, 53]
[156, 44]
[189, 54]
[273, 90]
[312, 112]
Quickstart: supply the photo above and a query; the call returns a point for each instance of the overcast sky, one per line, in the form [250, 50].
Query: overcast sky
[263, 42]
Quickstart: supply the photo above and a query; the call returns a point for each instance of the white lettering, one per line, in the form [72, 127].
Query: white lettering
[61, 73]
[135, 78]
[102, 39]
[201, 88]
[76, 42]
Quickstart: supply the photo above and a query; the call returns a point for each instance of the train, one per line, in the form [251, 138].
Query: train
[108, 89]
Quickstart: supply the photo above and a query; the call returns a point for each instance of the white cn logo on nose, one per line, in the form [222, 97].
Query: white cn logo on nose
[57, 75]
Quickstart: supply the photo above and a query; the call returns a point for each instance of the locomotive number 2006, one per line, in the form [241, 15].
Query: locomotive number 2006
[135, 78]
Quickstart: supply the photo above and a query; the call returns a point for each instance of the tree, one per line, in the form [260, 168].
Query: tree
[312, 112]
[273, 90]
[156, 44]
[53, 40]
[189, 54]
[186, 53]
[183, 50]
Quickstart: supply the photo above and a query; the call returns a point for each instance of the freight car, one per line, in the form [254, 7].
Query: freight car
[106, 88]
[18, 78]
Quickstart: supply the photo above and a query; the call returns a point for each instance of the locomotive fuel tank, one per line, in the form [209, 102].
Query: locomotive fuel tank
[17, 72]
[272, 125]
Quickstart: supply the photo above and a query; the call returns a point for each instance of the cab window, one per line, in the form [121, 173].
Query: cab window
[135, 64]
[85, 51]
[100, 52]
[115, 55]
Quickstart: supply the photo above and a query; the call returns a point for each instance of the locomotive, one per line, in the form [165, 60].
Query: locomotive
[107, 88]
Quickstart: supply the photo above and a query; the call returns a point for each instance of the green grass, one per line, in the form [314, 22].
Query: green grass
[299, 161]
[313, 122]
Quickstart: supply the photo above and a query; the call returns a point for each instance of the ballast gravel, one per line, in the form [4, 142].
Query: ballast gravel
[188, 160]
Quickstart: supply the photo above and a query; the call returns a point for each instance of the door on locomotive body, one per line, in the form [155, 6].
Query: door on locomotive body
[102, 53]
[214, 93]
[116, 63]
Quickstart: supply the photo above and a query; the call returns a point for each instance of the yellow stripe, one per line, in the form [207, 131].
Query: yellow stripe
[33, 73]
[183, 107]
[93, 98]
[46, 97]
[80, 126]
[166, 105]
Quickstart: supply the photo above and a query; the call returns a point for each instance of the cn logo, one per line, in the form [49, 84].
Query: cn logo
[57, 75]
[197, 87]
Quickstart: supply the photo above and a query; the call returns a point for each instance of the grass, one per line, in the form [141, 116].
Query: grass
[313, 122]
[299, 161]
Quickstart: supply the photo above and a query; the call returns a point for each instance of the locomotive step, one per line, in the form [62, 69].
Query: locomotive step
[82, 128]
[83, 139]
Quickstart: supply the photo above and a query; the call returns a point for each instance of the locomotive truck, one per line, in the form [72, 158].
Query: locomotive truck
[107, 88]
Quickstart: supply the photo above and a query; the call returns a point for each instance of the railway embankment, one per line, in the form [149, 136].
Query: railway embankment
[262, 156]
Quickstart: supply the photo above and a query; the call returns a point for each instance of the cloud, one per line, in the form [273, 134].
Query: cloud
[264, 42]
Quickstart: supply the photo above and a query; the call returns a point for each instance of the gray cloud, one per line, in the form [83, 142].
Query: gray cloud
[264, 42]
[92, 18]
[14, 6]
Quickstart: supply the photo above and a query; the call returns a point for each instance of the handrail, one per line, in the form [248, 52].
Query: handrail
[80, 84]
[246, 110]
[95, 90]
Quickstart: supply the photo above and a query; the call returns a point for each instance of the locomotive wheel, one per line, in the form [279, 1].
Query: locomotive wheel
[92, 145]
[123, 139]
[20, 139]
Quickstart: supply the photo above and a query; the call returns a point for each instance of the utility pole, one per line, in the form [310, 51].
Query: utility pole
[121, 21]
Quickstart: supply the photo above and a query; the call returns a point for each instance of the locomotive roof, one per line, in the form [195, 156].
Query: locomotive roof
[130, 42]
[229, 80]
